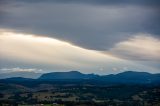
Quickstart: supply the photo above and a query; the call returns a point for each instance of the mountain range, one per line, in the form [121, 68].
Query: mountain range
[124, 77]
[128, 77]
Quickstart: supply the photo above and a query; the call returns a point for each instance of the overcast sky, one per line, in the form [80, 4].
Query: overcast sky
[91, 36]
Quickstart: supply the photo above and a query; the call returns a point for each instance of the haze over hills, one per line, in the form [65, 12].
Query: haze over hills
[24, 74]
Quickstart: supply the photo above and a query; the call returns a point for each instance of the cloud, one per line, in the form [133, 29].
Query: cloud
[99, 2]
[2, 10]
[48, 54]
[18, 69]
[85, 27]
[80, 20]
[140, 47]
[36, 48]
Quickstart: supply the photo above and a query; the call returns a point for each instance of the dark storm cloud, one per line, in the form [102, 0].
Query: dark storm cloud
[100, 2]
[2, 10]
[92, 24]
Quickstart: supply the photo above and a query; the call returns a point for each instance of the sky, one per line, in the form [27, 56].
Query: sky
[90, 36]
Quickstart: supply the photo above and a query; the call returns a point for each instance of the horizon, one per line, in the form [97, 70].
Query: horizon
[78, 72]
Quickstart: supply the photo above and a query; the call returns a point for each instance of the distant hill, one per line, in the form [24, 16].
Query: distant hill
[132, 77]
[18, 79]
[68, 75]
[75, 77]
[124, 77]
[23, 74]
